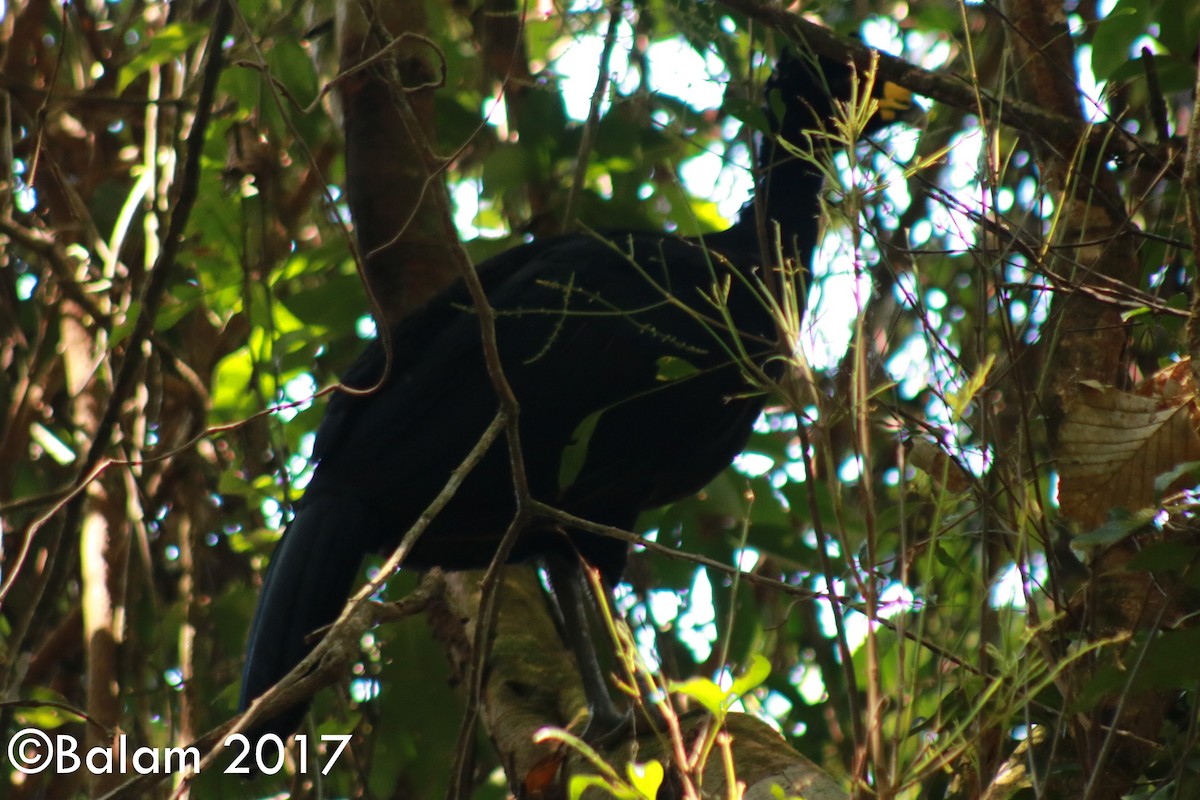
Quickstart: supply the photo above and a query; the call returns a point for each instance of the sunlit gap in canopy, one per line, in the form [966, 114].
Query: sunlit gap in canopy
[840, 284]
[767, 705]
[893, 599]
[1091, 91]
[24, 196]
[1010, 588]
[674, 69]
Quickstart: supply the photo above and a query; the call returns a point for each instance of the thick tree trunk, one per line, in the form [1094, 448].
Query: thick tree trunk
[1086, 340]
[400, 207]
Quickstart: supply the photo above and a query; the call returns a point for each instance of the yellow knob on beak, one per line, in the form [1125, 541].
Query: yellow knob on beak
[896, 102]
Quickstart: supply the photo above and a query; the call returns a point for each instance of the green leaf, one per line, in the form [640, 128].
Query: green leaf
[232, 393]
[1166, 556]
[1136, 312]
[705, 692]
[944, 558]
[753, 676]
[505, 169]
[124, 326]
[1121, 523]
[333, 305]
[959, 401]
[173, 40]
[673, 368]
[293, 67]
[748, 112]
[1169, 478]
[44, 717]
[1183, 29]
[1169, 663]
[718, 700]
[581, 783]
[575, 454]
[645, 778]
[1115, 35]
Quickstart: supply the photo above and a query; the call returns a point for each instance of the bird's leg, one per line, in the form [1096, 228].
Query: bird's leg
[570, 592]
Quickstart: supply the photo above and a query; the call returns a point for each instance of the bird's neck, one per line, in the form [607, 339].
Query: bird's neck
[787, 201]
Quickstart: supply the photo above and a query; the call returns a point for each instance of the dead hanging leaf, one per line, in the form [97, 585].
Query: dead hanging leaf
[939, 465]
[1172, 384]
[1114, 444]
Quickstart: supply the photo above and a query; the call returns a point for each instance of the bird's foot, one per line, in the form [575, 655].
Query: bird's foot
[608, 727]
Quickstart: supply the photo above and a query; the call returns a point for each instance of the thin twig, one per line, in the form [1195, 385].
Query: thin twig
[593, 117]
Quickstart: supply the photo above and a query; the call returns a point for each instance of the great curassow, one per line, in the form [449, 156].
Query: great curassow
[626, 352]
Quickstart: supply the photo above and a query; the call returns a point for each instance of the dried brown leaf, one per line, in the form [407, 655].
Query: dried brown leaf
[943, 468]
[1113, 445]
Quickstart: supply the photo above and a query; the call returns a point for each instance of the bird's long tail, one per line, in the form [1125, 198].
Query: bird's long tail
[310, 576]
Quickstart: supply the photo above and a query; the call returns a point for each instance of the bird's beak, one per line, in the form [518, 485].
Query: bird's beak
[895, 103]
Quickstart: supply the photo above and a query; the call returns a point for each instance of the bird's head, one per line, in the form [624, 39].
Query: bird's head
[807, 92]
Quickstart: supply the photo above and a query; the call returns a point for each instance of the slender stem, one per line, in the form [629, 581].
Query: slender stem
[593, 118]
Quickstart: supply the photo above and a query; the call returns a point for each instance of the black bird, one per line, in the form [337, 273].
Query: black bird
[625, 351]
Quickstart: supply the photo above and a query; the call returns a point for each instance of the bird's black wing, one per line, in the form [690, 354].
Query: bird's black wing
[628, 398]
